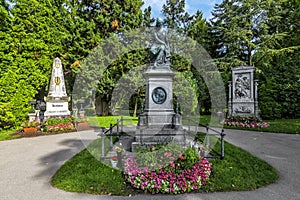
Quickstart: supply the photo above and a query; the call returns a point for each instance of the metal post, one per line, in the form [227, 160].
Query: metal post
[229, 98]
[184, 137]
[122, 124]
[102, 147]
[110, 132]
[222, 144]
[207, 135]
[119, 164]
[118, 126]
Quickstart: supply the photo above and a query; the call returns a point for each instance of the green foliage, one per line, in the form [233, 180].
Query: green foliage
[158, 156]
[55, 120]
[7, 119]
[8, 134]
[189, 158]
[28, 124]
[33, 33]
[279, 95]
[175, 15]
[29, 44]
[264, 33]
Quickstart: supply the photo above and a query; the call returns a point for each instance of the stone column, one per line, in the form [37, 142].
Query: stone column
[229, 98]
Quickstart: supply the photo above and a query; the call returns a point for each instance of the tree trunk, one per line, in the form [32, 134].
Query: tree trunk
[136, 103]
[104, 108]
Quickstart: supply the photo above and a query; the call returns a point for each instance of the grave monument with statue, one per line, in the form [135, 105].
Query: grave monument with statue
[158, 123]
[57, 99]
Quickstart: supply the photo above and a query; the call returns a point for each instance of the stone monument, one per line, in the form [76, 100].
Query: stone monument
[57, 99]
[243, 93]
[158, 123]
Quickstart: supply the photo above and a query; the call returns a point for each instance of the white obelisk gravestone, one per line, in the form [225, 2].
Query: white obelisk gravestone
[57, 99]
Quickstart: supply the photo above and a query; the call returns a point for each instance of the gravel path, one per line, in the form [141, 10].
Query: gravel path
[28, 164]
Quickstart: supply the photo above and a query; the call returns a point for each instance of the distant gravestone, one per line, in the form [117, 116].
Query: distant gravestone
[243, 93]
[57, 99]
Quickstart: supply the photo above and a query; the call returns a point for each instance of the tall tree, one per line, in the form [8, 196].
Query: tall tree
[249, 32]
[31, 41]
[244, 27]
[175, 15]
[109, 19]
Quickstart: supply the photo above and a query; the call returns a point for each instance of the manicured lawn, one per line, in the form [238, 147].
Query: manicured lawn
[107, 120]
[7, 134]
[238, 171]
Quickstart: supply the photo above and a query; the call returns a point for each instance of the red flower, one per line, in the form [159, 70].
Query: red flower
[181, 157]
[115, 158]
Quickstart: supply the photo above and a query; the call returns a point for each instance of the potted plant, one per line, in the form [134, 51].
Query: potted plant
[114, 161]
[82, 123]
[30, 126]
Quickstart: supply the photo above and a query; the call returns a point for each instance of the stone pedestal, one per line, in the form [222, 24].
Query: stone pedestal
[32, 117]
[57, 99]
[159, 124]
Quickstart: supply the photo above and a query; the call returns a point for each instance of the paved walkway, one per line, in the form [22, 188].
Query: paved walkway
[27, 165]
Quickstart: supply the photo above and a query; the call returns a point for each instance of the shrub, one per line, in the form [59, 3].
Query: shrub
[7, 118]
[57, 120]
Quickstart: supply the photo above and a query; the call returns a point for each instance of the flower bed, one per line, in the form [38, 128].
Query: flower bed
[187, 173]
[60, 127]
[245, 122]
[56, 125]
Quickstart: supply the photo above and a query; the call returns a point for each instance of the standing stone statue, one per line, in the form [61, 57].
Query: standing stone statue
[160, 49]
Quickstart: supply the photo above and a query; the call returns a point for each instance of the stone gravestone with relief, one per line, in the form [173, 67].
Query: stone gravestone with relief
[243, 93]
[158, 123]
[57, 99]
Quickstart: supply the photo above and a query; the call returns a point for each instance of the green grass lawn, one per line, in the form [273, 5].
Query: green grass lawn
[7, 134]
[107, 120]
[238, 171]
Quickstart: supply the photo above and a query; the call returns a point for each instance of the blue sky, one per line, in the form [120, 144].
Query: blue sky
[205, 6]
